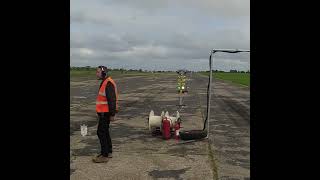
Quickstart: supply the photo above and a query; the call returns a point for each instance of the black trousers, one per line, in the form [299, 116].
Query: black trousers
[104, 134]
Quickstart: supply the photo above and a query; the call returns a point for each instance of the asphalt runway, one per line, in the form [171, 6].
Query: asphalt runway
[138, 154]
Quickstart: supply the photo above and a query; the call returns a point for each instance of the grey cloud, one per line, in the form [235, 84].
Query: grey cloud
[130, 48]
[227, 8]
[121, 32]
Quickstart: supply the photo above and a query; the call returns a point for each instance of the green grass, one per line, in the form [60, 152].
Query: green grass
[237, 78]
[88, 73]
[114, 74]
[82, 73]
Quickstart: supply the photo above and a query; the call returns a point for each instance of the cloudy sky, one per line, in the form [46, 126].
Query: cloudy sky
[159, 34]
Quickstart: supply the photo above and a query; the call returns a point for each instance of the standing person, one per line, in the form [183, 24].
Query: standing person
[106, 107]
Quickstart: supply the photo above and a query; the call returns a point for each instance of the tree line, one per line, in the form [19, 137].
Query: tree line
[89, 68]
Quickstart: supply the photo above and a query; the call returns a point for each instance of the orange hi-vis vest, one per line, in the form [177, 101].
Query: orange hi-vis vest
[102, 101]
